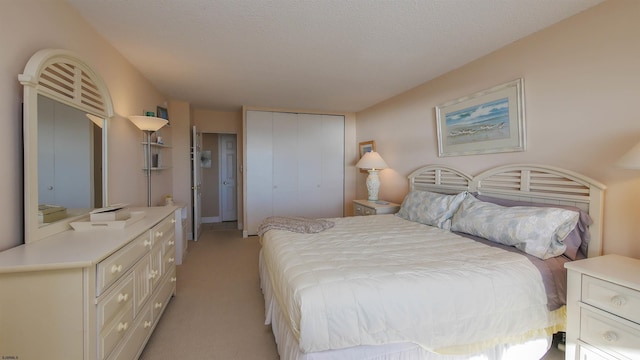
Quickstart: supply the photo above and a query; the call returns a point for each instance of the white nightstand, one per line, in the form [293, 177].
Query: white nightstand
[603, 308]
[366, 207]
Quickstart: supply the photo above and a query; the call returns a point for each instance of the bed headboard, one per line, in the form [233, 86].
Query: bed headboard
[523, 182]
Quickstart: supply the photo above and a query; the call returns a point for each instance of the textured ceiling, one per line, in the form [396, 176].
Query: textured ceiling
[334, 55]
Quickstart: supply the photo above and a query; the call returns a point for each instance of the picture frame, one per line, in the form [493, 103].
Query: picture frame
[163, 113]
[365, 147]
[488, 121]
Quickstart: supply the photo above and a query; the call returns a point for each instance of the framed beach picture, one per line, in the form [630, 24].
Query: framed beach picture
[365, 147]
[489, 121]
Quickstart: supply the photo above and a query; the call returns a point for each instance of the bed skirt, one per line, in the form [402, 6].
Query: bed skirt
[288, 348]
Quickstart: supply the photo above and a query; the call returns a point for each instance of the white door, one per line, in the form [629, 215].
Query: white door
[196, 183]
[228, 183]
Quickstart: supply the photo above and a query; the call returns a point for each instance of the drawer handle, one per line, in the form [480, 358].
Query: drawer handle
[147, 324]
[171, 242]
[170, 260]
[173, 221]
[618, 300]
[159, 234]
[153, 274]
[158, 305]
[174, 279]
[148, 243]
[123, 326]
[116, 269]
[610, 336]
[123, 297]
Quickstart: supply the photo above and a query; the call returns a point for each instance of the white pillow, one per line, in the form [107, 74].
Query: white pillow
[430, 208]
[537, 231]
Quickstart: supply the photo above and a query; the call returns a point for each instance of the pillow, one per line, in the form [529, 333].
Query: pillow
[538, 231]
[578, 239]
[430, 208]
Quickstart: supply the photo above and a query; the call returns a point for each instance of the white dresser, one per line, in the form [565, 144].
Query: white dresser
[94, 294]
[603, 308]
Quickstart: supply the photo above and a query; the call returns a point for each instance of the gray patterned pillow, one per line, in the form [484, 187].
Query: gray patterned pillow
[538, 231]
[430, 208]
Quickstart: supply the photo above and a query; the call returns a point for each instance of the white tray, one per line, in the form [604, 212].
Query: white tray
[107, 225]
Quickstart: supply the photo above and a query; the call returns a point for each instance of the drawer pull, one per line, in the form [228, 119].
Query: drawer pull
[123, 326]
[610, 336]
[147, 324]
[148, 243]
[171, 242]
[174, 279]
[170, 260]
[116, 269]
[123, 297]
[618, 300]
[158, 305]
[173, 221]
[153, 274]
[159, 234]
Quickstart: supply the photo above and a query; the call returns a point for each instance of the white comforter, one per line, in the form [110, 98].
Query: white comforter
[381, 279]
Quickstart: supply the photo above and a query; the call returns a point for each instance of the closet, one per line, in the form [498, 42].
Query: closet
[294, 166]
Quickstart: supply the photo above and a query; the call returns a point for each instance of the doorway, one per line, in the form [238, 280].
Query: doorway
[219, 183]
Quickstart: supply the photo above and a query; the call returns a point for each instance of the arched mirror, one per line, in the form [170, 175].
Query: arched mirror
[66, 111]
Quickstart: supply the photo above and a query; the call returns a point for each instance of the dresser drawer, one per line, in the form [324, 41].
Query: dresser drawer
[116, 301]
[616, 299]
[609, 333]
[115, 331]
[110, 269]
[592, 354]
[163, 295]
[138, 335]
[164, 230]
[361, 210]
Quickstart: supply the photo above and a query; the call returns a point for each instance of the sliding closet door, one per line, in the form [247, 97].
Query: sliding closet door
[295, 166]
[321, 165]
[285, 164]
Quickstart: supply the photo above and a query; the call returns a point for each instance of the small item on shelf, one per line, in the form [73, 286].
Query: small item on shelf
[51, 213]
[168, 200]
[159, 140]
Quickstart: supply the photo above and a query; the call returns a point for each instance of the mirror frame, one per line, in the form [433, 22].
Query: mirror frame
[82, 89]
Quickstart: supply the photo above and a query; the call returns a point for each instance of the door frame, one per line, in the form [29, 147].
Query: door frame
[220, 187]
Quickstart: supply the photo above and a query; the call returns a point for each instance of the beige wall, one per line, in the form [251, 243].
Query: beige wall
[582, 83]
[27, 26]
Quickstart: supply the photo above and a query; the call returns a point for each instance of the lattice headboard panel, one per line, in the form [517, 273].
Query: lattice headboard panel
[524, 182]
[439, 178]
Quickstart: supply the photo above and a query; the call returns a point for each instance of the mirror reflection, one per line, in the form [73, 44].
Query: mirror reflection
[69, 161]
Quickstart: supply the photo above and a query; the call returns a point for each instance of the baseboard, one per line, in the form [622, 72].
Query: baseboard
[211, 219]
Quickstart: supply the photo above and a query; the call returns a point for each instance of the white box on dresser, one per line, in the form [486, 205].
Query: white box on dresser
[603, 308]
[88, 294]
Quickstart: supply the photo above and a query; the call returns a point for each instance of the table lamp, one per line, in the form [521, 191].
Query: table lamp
[372, 162]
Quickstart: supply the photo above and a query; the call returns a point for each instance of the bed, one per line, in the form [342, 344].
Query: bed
[427, 284]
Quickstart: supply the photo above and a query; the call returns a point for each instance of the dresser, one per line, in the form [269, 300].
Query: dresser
[366, 207]
[603, 308]
[94, 294]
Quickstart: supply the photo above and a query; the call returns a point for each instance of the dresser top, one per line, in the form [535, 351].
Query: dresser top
[76, 249]
[614, 268]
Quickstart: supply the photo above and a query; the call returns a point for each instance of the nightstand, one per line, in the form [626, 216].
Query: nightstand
[366, 207]
[603, 308]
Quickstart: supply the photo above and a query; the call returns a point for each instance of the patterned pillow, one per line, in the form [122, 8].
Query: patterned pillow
[537, 231]
[430, 208]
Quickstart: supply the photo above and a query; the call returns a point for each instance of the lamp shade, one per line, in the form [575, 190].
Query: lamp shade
[148, 123]
[371, 160]
[630, 160]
